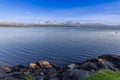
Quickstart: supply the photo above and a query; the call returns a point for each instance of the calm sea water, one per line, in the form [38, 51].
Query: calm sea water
[61, 45]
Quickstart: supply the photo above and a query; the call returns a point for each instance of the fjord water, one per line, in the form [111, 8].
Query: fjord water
[60, 45]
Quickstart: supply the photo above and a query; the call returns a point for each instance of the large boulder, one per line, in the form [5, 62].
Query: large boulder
[33, 66]
[110, 57]
[75, 74]
[107, 64]
[89, 66]
[44, 64]
[111, 61]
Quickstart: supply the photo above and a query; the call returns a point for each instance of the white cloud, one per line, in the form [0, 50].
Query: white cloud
[104, 13]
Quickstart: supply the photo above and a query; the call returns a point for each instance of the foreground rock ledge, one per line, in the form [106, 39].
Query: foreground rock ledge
[44, 70]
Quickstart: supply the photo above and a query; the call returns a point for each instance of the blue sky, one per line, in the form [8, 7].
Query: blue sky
[85, 11]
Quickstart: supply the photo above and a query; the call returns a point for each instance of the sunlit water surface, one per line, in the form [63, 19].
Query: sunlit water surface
[61, 45]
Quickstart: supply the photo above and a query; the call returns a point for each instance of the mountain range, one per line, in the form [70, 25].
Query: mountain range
[58, 24]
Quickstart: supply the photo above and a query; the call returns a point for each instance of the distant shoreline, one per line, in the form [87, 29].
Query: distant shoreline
[87, 27]
[67, 24]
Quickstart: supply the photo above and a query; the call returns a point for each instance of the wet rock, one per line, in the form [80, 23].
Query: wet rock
[101, 60]
[49, 72]
[114, 57]
[18, 68]
[3, 73]
[41, 73]
[10, 78]
[38, 77]
[17, 74]
[44, 64]
[61, 68]
[89, 66]
[110, 57]
[52, 72]
[8, 69]
[71, 66]
[33, 66]
[75, 74]
[107, 64]
[53, 79]
[110, 61]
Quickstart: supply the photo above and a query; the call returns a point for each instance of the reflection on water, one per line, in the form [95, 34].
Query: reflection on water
[58, 45]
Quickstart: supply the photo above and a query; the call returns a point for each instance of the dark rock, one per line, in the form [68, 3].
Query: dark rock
[50, 72]
[89, 66]
[110, 61]
[10, 78]
[53, 79]
[17, 74]
[60, 70]
[109, 65]
[18, 68]
[75, 74]
[3, 73]
[110, 57]
[36, 71]
[38, 77]
[116, 65]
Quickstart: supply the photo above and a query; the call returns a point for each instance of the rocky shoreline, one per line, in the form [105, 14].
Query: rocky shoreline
[44, 70]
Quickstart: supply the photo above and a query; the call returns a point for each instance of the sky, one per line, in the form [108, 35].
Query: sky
[84, 11]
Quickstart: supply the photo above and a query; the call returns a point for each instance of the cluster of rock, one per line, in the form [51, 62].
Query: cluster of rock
[45, 70]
